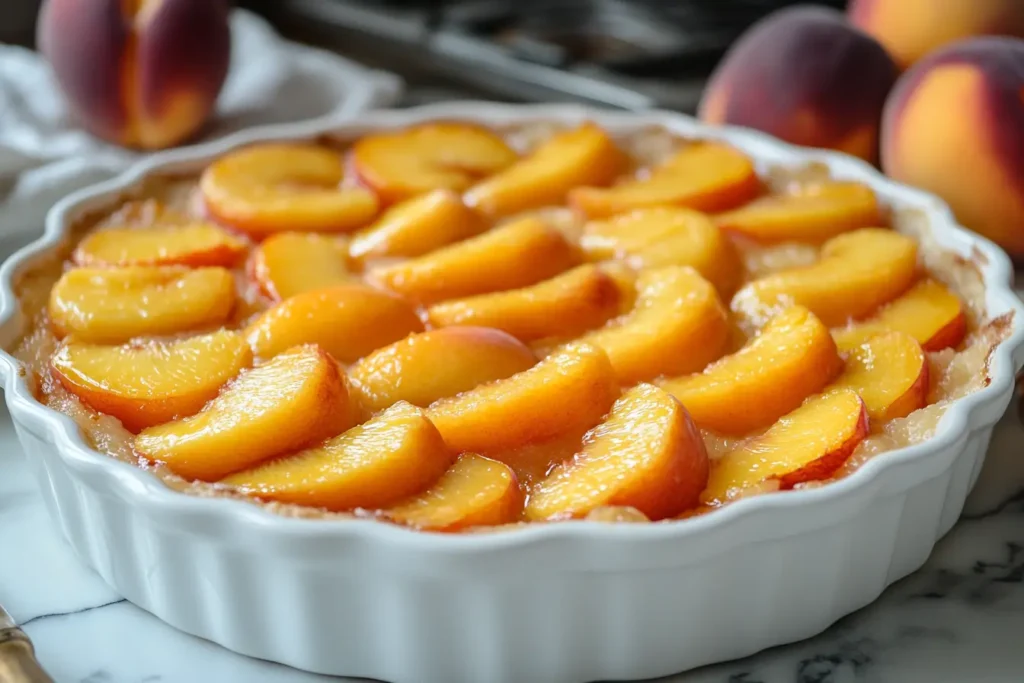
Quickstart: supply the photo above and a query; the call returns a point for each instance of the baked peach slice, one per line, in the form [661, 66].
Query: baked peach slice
[928, 312]
[616, 514]
[793, 357]
[347, 321]
[890, 372]
[518, 254]
[858, 271]
[808, 213]
[533, 462]
[153, 382]
[112, 305]
[417, 226]
[706, 176]
[380, 462]
[582, 156]
[298, 398]
[659, 469]
[273, 187]
[190, 244]
[569, 390]
[291, 263]
[678, 325]
[448, 155]
[475, 491]
[666, 236]
[808, 444]
[568, 304]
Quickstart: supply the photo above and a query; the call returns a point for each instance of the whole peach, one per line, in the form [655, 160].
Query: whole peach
[805, 75]
[142, 73]
[954, 125]
[910, 29]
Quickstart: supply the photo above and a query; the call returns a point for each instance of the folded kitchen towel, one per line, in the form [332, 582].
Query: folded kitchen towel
[44, 154]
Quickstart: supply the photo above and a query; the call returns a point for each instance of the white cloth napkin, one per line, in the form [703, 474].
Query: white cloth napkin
[44, 155]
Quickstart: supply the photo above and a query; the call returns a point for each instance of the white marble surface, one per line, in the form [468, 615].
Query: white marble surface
[958, 620]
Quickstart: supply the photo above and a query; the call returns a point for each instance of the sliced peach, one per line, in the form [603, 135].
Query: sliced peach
[666, 236]
[583, 156]
[678, 325]
[291, 263]
[417, 226]
[808, 444]
[793, 357]
[348, 321]
[569, 390]
[448, 155]
[616, 513]
[928, 312]
[475, 491]
[858, 272]
[148, 384]
[707, 176]
[809, 213]
[395, 455]
[890, 372]
[647, 454]
[567, 304]
[112, 305]
[532, 462]
[521, 253]
[298, 398]
[273, 187]
[190, 244]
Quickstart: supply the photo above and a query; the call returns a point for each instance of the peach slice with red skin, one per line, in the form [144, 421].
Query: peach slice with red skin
[148, 384]
[348, 321]
[890, 373]
[582, 156]
[858, 272]
[298, 398]
[475, 491]
[569, 390]
[113, 305]
[793, 357]
[518, 254]
[291, 263]
[444, 155]
[191, 244]
[273, 187]
[706, 176]
[425, 367]
[659, 468]
[808, 444]
[380, 462]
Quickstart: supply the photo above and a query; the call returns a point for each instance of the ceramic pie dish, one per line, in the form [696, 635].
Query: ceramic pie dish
[576, 601]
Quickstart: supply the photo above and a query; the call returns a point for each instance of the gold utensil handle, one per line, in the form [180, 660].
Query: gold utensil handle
[18, 662]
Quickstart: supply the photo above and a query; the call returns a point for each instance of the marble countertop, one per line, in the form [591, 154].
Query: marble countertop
[960, 619]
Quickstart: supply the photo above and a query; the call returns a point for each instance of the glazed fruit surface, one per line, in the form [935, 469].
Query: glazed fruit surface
[454, 328]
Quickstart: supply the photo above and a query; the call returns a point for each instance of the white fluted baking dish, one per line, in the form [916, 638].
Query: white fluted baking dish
[562, 602]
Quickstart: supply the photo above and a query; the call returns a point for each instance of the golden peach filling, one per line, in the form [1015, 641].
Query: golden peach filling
[453, 328]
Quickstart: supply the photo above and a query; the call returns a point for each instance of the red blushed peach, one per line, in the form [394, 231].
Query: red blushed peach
[142, 73]
[911, 29]
[954, 125]
[806, 76]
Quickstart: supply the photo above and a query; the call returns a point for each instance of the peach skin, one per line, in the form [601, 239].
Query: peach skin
[113, 305]
[433, 156]
[954, 125]
[793, 357]
[273, 187]
[808, 444]
[707, 176]
[298, 398]
[834, 99]
[569, 390]
[291, 263]
[154, 382]
[189, 244]
[390, 457]
[659, 470]
[475, 491]
[140, 73]
[858, 272]
[890, 373]
[348, 321]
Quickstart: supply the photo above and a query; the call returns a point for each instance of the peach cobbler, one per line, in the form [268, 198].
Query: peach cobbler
[452, 327]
